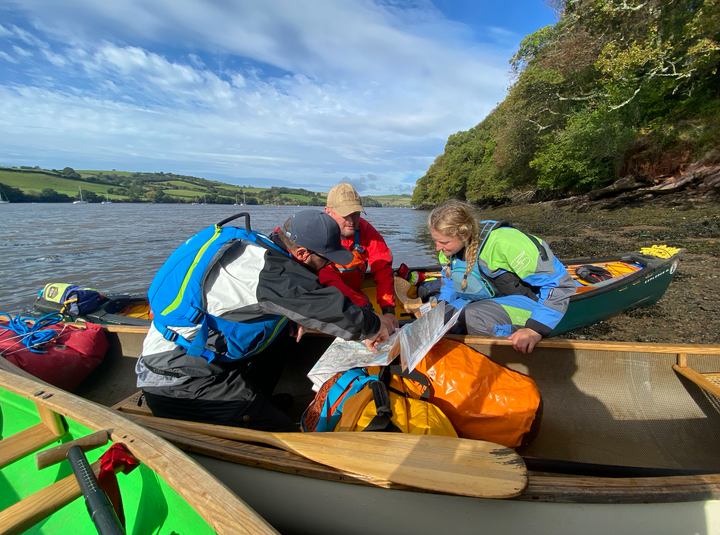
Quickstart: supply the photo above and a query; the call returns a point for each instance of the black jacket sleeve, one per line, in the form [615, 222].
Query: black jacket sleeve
[286, 287]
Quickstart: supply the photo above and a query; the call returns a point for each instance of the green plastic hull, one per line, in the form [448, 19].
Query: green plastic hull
[150, 505]
[642, 288]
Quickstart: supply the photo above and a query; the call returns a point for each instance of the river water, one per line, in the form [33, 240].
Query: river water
[118, 248]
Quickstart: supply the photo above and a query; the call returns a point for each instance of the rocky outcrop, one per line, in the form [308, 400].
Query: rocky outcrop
[698, 182]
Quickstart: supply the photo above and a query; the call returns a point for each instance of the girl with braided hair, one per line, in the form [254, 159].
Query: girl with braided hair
[507, 282]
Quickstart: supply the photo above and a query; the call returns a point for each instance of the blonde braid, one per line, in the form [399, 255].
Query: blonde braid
[455, 218]
[471, 250]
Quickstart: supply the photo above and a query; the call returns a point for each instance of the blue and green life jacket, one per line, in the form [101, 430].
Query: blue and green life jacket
[480, 285]
[177, 299]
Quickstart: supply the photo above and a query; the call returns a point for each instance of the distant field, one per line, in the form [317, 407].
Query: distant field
[92, 172]
[393, 200]
[36, 182]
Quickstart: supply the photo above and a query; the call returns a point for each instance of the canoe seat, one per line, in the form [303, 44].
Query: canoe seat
[134, 404]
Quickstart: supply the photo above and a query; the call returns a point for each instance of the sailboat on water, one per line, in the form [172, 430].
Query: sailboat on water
[107, 200]
[3, 198]
[80, 200]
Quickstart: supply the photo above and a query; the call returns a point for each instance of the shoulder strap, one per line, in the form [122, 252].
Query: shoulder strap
[486, 228]
[356, 245]
[394, 369]
[383, 417]
[347, 385]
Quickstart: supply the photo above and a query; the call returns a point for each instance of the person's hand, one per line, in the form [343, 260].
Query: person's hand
[380, 338]
[389, 321]
[394, 323]
[524, 340]
[296, 330]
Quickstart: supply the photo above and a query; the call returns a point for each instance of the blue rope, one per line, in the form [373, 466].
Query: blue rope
[31, 329]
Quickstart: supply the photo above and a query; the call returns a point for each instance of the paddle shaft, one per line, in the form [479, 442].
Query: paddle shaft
[102, 513]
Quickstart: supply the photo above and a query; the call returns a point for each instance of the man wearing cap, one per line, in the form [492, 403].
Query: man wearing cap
[252, 299]
[369, 250]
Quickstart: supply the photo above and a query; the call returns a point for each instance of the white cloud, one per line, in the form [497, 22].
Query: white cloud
[22, 52]
[8, 57]
[306, 91]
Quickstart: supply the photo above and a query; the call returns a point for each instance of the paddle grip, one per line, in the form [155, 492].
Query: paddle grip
[100, 510]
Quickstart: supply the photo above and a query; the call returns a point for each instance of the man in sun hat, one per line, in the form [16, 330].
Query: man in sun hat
[258, 296]
[368, 249]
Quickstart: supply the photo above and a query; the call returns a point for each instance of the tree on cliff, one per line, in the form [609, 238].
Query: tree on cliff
[614, 88]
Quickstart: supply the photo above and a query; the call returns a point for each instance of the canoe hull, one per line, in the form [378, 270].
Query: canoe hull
[605, 402]
[306, 506]
[642, 288]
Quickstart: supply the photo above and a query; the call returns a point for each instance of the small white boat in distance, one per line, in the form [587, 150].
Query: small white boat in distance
[80, 200]
[107, 200]
[3, 197]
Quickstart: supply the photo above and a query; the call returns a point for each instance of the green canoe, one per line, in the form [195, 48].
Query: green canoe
[167, 493]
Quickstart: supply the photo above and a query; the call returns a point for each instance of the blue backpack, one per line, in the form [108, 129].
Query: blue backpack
[177, 300]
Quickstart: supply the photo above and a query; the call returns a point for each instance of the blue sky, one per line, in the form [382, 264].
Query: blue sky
[299, 93]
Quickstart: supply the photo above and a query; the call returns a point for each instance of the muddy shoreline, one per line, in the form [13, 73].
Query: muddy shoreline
[689, 312]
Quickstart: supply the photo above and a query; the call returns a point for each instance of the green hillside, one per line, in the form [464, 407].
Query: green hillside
[614, 89]
[32, 184]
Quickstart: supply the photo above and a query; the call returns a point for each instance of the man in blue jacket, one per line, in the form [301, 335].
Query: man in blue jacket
[251, 295]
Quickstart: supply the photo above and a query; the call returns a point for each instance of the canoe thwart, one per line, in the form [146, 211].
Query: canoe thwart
[51, 456]
[133, 405]
[25, 442]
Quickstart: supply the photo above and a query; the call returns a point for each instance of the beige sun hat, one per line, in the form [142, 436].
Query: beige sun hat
[345, 200]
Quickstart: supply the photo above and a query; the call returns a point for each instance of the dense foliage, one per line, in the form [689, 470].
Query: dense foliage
[615, 88]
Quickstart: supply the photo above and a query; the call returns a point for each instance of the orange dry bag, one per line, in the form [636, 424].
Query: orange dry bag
[482, 400]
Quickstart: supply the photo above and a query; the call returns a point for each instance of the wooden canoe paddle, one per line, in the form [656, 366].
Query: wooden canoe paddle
[436, 463]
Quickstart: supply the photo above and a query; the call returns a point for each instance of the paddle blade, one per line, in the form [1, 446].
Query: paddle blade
[436, 463]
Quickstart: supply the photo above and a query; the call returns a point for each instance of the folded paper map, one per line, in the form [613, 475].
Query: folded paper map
[412, 342]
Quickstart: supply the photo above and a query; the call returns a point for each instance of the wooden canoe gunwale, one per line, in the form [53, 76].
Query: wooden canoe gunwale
[225, 512]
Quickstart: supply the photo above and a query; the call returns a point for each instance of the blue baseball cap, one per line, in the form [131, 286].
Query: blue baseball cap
[318, 233]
